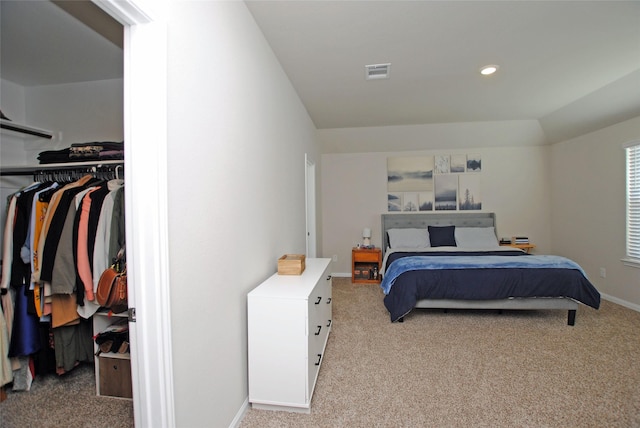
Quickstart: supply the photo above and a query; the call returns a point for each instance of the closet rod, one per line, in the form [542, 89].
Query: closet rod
[23, 129]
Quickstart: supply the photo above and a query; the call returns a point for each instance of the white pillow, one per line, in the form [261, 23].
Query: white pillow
[476, 237]
[408, 238]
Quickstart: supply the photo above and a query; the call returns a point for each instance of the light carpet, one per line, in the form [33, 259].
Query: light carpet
[67, 401]
[471, 368]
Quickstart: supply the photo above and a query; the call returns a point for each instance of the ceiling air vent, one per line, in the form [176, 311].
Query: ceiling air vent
[377, 71]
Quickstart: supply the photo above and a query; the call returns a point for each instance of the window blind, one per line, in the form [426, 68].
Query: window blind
[633, 200]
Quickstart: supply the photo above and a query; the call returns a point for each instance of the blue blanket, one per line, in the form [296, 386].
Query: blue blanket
[470, 262]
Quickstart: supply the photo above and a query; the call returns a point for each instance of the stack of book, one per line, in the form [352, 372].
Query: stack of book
[519, 240]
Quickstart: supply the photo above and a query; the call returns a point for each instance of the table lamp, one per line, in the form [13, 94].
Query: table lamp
[366, 235]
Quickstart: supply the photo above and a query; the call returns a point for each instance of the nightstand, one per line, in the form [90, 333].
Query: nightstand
[525, 247]
[363, 263]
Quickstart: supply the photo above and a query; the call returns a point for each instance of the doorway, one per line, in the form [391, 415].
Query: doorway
[145, 100]
[310, 208]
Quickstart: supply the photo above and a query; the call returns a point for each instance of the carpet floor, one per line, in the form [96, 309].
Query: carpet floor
[437, 369]
[67, 401]
[471, 368]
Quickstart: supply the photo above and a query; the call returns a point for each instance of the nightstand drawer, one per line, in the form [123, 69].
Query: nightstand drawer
[362, 256]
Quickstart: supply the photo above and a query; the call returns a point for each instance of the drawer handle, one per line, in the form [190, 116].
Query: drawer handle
[319, 299]
[329, 301]
[319, 358]
[329, 324]
[317, 333]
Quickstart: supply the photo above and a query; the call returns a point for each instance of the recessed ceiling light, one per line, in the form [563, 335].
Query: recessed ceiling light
[488, 69]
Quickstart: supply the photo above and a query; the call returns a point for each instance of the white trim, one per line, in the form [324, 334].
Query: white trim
[240, 414]
[147, 228]
[126, 12]
[621, 302]
[631, 144]
[634, 263]
[310, 205]
[632, 200]
[145, 136]
[341, 274]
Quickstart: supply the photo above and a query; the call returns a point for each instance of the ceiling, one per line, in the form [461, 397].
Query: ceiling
[574, 66]
[43, 43]
[560, 61]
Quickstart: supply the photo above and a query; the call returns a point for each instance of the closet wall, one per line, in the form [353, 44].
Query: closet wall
[76, 113]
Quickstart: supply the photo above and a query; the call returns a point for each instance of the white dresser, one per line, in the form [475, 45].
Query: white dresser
[289, 319]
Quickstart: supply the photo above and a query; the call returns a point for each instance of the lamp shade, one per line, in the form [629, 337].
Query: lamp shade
[366, 233]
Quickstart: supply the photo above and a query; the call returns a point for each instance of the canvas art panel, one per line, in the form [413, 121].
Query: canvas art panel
[446, 192]
[394, 202]
[425, 201]
[410, 202]
[469, 192]
[413, 174]
[442, 164]
[458, 163]
[474, 163]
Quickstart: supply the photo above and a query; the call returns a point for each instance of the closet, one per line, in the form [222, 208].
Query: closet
[100, 108]
[72, 336]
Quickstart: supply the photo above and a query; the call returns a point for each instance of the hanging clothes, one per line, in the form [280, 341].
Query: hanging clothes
[56, 227]
[87, 225]
[26, 341]
[103, 253]
[52, 235]
[6, 374]
[38, 213]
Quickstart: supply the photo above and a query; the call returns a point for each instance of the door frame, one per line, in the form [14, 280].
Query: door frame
[310, 205]
[145, 147]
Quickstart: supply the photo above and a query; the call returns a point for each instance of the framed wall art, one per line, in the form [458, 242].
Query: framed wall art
[434, 183]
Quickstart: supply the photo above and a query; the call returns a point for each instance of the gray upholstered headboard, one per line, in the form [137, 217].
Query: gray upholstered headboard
[422, 220]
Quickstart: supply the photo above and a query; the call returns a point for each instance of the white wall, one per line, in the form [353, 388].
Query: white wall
[588, 200]
[403, 138]
[77, 112]
[74, 112]
[237, 138]
[12, 147]
[514, 185]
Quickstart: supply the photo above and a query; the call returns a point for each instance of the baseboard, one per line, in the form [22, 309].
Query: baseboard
[621, 302]
[341, 274]
[235, 423]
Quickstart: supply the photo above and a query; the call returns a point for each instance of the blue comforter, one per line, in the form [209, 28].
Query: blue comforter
[483, 276]
[473, 262]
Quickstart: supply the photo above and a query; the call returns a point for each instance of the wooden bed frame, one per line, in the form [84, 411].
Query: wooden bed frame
[422, 220]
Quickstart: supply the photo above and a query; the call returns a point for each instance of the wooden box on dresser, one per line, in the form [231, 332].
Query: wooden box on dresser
[289, 320]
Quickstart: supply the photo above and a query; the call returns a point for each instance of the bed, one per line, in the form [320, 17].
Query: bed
[454, 261]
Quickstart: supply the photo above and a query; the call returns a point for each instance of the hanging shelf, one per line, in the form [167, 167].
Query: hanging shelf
[31, 169]
[24, 129]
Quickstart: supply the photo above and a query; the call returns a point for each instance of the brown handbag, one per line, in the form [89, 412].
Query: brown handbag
[112, 289]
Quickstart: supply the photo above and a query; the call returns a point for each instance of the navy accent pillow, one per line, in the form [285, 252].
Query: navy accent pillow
[442, 236]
